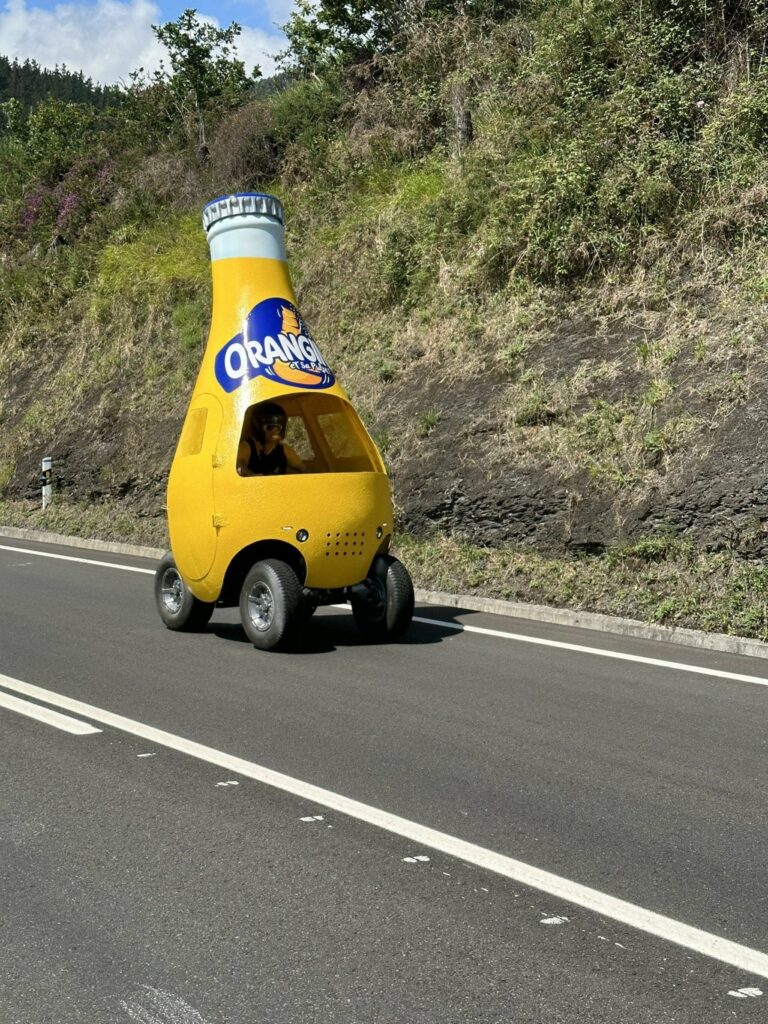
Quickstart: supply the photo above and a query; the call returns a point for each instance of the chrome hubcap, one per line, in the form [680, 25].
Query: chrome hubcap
[261, 606]
[171, 591]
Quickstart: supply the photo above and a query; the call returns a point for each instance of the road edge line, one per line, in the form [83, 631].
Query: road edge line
[594, 621]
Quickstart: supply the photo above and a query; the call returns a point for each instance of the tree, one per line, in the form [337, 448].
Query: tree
[321, 32]
[204, 68]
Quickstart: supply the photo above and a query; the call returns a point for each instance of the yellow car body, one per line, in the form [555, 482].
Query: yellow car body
[328, 521]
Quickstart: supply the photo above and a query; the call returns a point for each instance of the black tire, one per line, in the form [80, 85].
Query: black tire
[271, 604]
[178, 607]
[388, 610]
[307, 610]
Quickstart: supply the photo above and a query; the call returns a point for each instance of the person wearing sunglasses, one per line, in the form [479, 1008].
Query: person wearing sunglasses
[266, 453]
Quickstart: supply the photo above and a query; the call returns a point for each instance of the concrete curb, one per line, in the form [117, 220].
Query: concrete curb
[601, 623]
[533, 612]
[107, 546]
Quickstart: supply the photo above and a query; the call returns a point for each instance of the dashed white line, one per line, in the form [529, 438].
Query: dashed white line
[745, 959]
[41, 714]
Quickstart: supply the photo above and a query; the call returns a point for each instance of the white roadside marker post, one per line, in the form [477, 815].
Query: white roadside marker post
[45, 480]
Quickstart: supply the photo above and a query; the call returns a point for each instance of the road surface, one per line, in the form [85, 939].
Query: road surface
[493, 820]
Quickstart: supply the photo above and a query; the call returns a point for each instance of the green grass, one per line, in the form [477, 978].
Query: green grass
[147, 260]
[93, 520]
[657, 579]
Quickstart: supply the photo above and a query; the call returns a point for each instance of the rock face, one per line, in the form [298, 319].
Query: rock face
[522, 506]
[720, 499]
[598, 435]
[628, 436]
[714, 490]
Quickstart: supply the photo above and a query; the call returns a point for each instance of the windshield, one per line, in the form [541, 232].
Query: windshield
[304, 434]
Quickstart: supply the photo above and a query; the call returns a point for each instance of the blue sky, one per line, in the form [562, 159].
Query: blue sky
[109, 38]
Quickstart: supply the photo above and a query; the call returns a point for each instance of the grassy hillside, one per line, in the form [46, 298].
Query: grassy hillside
[553, 323]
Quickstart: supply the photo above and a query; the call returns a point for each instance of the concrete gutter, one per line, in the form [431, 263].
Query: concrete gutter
[533, 612]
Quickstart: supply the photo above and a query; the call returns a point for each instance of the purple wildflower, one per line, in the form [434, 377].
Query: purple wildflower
[68, 204]
[33, 206]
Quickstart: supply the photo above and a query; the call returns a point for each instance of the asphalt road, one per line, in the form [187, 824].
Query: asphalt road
[139, 883]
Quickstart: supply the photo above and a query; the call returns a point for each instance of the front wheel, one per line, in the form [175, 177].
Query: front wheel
[178, 607]
[385, 612]
[271, 603]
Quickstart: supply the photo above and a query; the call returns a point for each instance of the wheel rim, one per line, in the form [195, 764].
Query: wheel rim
[378, 594]
[377, 600]
[261, 606]
[172, 591]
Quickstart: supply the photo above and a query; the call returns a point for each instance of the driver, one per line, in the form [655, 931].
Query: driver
[266, 453]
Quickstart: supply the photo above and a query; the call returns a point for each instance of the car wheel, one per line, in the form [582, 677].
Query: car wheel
[271, 603]
[385, 613]
[178, 607]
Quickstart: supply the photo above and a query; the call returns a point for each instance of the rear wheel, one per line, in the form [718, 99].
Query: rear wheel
[386, 611]
[271, 604]
[178, 607]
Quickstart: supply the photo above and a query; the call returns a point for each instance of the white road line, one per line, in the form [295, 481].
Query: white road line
[460, 627]
[54, 718]
[751, 961]
[598, 652]
[72, 558]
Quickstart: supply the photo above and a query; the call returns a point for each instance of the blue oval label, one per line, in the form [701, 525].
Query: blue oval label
[275, 343]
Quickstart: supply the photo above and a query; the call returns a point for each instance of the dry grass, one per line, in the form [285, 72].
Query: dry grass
[98, 521]
[656, 580]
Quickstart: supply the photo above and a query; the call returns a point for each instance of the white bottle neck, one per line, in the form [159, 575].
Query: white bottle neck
[247, 235]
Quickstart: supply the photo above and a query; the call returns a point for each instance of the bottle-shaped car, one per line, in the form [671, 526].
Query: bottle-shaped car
[278, 499]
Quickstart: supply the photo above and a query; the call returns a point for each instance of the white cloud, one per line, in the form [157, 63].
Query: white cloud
[277, 11]
[107, 39]
[280, 10]
[254, 46]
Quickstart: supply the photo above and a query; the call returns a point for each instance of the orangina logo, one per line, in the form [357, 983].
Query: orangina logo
[275, 343]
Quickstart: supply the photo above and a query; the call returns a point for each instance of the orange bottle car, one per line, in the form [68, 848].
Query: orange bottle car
[278, 499]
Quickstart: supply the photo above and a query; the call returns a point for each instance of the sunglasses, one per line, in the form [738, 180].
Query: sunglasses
[273, 424]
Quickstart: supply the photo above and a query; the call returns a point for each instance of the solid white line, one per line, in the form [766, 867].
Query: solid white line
[745, 959]
[71, 558]
[54, 718]
[598, 652]
[459, 627]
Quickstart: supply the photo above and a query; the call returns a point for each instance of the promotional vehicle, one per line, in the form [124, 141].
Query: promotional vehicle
[278, 499]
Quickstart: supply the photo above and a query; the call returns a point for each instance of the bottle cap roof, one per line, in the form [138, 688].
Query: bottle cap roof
[241, 204]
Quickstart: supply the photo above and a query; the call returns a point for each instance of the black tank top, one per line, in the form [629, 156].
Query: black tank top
[267, 463]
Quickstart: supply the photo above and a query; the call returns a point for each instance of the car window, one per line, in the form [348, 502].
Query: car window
[340, 435]
[297, 438]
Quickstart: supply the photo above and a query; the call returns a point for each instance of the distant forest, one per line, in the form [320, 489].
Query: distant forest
[29, 83]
